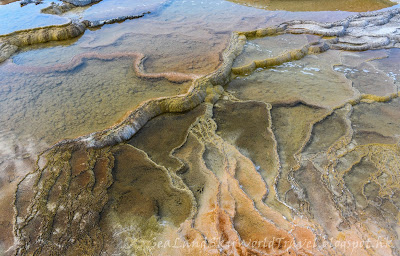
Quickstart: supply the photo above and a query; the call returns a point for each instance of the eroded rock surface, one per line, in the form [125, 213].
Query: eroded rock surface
[289, 154]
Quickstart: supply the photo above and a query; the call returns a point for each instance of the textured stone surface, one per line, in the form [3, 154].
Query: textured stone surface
[9, 43]
[229, 167]
[6, 50]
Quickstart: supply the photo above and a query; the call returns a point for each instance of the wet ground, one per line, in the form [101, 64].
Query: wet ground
[296, 150]
[313, 5]
[185, 36]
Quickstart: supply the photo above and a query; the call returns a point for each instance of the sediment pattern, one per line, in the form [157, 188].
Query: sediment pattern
[226, 169]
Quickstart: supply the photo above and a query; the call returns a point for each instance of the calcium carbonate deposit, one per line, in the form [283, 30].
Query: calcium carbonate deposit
[200, 128]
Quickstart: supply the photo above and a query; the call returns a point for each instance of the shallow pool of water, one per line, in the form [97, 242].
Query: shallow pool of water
[185, 36]
[13, 17]
[304, 151]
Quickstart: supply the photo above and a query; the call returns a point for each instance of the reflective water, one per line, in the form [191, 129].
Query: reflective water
[66, 104]
[304, 152]
[13, 17]
[309, 80]
[186, 36]
[108, 9]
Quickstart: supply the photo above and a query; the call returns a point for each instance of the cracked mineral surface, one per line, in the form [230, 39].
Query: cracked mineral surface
[201, 128]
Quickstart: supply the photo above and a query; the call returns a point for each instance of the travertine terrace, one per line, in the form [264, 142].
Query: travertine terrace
[290, 151]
